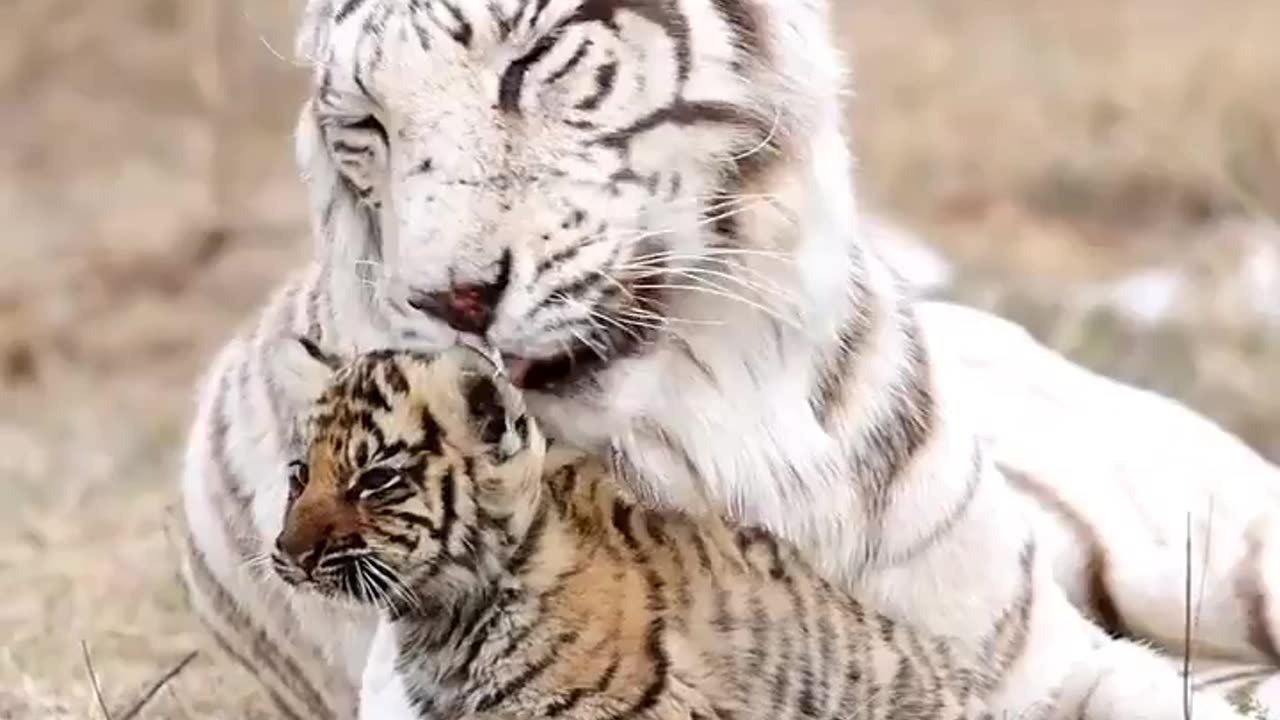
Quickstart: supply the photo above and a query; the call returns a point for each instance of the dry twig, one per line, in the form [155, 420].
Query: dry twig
[156, 686]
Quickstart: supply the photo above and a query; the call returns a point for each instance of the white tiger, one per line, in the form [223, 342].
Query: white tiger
[645, 205]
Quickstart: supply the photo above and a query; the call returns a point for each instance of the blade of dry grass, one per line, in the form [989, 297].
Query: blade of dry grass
[93, 680]
[1186, 630]
[156, 686]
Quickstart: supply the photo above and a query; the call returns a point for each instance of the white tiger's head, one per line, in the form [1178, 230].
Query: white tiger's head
[553, 175]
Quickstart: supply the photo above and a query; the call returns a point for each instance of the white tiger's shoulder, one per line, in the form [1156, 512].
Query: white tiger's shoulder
[238, 447]
[234, 436]
[254, 359]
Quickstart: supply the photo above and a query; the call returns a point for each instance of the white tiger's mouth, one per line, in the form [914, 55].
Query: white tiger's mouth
[600, 345]
[564, 370]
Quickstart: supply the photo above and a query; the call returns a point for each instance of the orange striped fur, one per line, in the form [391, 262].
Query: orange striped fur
[523, 585]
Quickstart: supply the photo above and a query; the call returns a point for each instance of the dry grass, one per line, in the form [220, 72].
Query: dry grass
[1104, 123]
[1046, 147]
[1030, 138]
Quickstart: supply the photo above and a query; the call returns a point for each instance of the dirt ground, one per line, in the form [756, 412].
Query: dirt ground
[150, 201]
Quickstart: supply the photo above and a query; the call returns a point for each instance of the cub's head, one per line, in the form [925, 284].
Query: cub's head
[563, 177]
[417, 473]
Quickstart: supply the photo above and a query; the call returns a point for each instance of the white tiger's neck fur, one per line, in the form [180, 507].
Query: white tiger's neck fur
[724, 401]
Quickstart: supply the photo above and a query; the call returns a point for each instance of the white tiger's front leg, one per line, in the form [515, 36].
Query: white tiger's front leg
[1126, 681]
[1045, 659]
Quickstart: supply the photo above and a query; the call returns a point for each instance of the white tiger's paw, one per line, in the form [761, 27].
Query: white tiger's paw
[382, 691]
[1126, 681]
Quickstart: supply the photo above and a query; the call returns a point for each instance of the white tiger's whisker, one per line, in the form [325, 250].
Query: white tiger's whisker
[660, 321]
[584, 342]
[731, 208]
[727, 259]
[717, 216]
[714, 252]
[672, 320]
[639, 318]
[710, 219]
[701, 275]
[764, 290]
[763, 144]
[722, 293]
[596, 315]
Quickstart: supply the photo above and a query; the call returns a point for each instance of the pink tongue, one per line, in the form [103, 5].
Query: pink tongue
[517, 369]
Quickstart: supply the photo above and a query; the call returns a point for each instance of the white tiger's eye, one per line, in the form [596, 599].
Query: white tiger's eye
[367, 123]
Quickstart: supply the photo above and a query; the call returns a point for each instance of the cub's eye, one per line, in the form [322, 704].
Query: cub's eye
[297, 477]
[377, 479]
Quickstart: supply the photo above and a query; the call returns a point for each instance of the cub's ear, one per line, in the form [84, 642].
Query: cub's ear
[302, 369]
[494, 407]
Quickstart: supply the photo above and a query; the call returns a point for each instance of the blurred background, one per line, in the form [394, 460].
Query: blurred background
[1106, 172]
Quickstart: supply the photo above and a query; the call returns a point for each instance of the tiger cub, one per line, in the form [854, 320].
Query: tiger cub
[521, 581]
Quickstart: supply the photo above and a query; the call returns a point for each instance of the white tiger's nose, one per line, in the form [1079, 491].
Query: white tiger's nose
[466, 308]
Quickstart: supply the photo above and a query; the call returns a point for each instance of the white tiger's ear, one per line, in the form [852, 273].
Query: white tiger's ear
[312, 39]
[302, 369]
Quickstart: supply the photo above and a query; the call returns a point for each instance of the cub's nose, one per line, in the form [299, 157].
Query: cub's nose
[305, 545]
